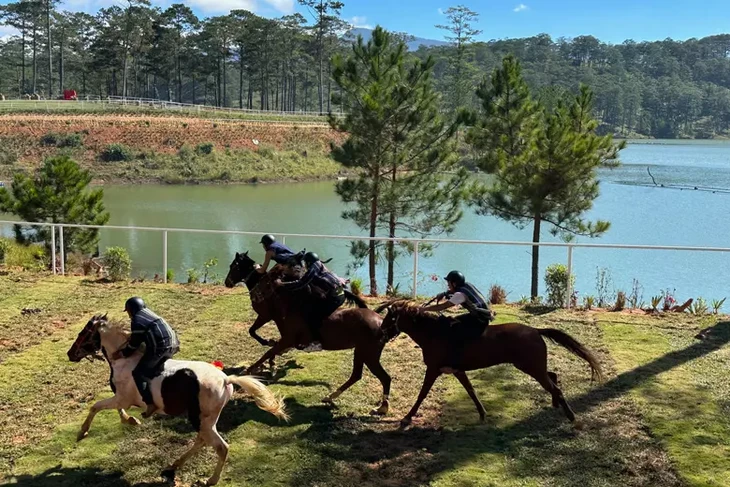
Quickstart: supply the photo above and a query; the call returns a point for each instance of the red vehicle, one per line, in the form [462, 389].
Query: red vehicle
[70, 95]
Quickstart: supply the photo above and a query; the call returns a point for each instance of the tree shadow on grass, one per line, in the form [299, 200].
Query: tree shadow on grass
[614, 449]
[78, 477]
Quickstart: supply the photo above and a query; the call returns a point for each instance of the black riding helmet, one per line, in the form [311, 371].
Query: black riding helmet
[134, 305]
[455, 277]
[268, 240]
[310, 258]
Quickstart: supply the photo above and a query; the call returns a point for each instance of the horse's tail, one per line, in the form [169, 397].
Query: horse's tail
[354, 299]
[265, 399]
[572, 345]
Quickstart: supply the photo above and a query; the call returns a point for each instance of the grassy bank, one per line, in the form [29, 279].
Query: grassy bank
[136, 149]
[659, 419]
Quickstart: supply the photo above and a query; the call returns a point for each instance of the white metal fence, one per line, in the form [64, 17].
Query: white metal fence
[57, 244]
[150, 103]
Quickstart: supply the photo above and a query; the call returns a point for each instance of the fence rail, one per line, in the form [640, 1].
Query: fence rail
[82, 102]
[58, 242]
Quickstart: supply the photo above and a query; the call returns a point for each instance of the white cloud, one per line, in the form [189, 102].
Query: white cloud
[6, 32]
[204, 7]
[440, 11]
[521, 8]
[361, 22]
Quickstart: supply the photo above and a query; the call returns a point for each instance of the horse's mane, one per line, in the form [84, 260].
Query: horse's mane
[113, 325]
[412, 310]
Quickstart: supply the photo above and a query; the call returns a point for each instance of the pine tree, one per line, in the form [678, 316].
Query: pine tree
[544, 161]
[400, 144]
[59, 193]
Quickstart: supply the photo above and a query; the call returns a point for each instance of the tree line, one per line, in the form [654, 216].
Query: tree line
[662, 88]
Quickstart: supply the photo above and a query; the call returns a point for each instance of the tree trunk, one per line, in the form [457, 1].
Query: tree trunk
[60, 63]
[535, 256]
[193, 81]
[240, 78]
[22, 56]
[329, 90]
[50, 50]
[225, 86]
[371, 253]
[34, 87]
[391, 234]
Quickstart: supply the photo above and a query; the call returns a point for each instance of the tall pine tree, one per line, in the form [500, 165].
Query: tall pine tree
[544, 161]
[400, 144]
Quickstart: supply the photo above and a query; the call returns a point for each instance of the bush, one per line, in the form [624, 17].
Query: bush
[556, 281]
[620, 301]
[356, 286]
[62, 140]
[117, 262]
[116, 153]
[205, 148]
[193, 275]
[588, 302]
[497, 294]
[4, 247]
[170, 275]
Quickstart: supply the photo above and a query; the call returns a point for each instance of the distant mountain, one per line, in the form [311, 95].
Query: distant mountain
[412, 45]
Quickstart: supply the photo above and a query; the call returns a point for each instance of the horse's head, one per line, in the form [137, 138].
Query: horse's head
[88, 343]
[399, 318]
[241, 267]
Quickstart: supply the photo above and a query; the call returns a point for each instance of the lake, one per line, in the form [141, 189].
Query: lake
[639, 215]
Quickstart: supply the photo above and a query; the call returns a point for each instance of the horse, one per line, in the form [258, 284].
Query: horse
[196, 388]
[346, 328]
[514, 343]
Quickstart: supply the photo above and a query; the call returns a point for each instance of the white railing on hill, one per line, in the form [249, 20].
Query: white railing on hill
[57, 229]
[149, 103]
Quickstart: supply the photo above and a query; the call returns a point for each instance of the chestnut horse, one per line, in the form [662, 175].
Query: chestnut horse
[510, 343]
[346, 328]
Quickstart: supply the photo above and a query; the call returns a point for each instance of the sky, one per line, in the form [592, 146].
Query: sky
[610, 21]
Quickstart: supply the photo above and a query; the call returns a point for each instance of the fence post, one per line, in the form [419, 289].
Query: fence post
[164, 256]
[415, 269]
[570, 273]
[53, 248]
[60, 247]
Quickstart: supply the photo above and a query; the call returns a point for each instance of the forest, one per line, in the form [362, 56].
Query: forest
[662, 89]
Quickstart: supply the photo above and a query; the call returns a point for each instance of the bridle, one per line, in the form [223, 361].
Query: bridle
[86, 341]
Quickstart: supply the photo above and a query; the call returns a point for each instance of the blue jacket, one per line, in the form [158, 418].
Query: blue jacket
[282, 253]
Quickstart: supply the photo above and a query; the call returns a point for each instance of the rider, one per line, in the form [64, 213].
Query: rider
[326, 289]
[161, 343]
[468, 326]
[279, 253]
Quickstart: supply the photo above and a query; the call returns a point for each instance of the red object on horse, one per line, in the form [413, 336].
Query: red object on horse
[70, 95]
[217, 364]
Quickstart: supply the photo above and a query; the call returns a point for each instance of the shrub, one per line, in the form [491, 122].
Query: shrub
[699, 307]
[170, 275]
[588, 302]
[207, 266]
[716, 305]
[524, 300]
[266, 152]
[193, 275]
[603, 284]
[117, 153]
[556, 281]
[669, 300]
[620, 301]
[205, 148]
[636, 297]
[655, 300]
[4, 247]
[117, 263]
[62, 140]
[497, 294]
[356, 286]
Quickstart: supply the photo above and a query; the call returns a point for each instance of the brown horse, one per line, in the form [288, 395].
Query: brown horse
[511, 343]
[346, 328]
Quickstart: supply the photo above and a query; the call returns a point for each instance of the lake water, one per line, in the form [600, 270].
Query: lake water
[639, 215]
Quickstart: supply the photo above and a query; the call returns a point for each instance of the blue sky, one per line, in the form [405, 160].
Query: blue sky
[612, 21]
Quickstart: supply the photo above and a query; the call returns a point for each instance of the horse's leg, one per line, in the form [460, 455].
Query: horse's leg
[280, 346]
[378, 371]
[461, 375]
[126, 418]
[554, 378]
[111, 403]
[170, 471]
[432, 374]
[541, 375]
[356, 375]
[213, 438]
[257, 324]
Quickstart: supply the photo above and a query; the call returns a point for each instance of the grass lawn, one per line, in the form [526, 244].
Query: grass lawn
[660, 418]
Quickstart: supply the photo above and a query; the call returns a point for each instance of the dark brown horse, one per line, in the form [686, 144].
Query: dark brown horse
[346, 328]
[511, 343]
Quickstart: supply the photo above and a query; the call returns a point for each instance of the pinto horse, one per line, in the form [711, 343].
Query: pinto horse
[197, 389]
[512, 343]
[346, 328]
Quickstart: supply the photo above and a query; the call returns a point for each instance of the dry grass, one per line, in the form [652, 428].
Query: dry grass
[635, 430]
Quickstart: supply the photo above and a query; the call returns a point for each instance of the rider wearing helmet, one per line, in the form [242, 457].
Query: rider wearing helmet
[325, 288]
[279, 253]
[160, 340]
[470, 325]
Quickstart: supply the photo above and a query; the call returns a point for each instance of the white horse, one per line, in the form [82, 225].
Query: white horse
[196, 388]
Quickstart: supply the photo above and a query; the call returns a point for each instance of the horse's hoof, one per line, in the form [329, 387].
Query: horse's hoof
[168, 474]
[578, 425]
[212, 481]
[132, 421]
[381, 411]
[82, 435]
[482, 419]
[328, 400]
[405, 422]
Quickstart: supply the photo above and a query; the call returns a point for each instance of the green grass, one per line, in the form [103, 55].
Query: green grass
[657, 420]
